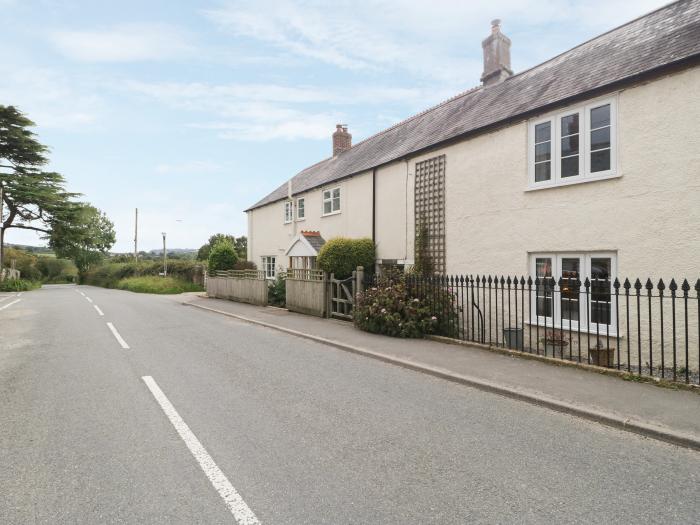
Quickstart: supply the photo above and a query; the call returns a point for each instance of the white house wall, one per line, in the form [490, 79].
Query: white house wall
[650, 215]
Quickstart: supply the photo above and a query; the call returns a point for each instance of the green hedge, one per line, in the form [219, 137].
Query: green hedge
[341, 256]
[18, 285]
[223, 256]
[160, 285]
[108, 275]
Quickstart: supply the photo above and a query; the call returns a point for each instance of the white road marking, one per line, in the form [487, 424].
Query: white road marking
[6, 298]
[20, 294]
[241, 512]
[81, 293]
[118, 337]
[10, 304]
[89, 300]
[98, 310]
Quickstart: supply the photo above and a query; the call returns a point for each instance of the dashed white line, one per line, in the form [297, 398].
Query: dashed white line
[89, 300]
[81, 293]
[241, 512]
[10, 304]
[98, 310]
[118, 337]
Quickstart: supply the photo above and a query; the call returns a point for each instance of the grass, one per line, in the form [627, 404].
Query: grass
[18, 285]
[159, 285]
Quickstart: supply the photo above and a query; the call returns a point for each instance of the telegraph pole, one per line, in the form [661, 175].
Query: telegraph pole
[136, 236]
[2, 233]
[165, 258]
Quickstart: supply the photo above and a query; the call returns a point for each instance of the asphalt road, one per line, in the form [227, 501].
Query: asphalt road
[254, 425]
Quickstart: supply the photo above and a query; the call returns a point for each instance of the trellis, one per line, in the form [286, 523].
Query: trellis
[430, 211]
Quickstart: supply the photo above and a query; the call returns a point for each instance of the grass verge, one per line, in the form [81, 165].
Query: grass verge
[18, 285]
[160, 285]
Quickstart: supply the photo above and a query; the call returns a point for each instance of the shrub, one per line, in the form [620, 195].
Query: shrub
[222, 256]
[389, 309]
[18, 285]
[159, 285]
[25, 262]
[109, 274]
[277, 292]
[341, 256]
[57, 270]
[245, 265]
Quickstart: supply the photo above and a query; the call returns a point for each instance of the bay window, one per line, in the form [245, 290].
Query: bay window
[573, 145]
[559, 299]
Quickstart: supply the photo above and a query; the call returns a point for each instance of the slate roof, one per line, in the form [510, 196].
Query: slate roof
[315, 240]
[656, 40]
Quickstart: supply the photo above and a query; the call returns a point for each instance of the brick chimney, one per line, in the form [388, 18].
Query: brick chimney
[342, 140]
[496, 56]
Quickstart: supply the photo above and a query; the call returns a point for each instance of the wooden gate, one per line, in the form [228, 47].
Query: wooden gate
[342, 293]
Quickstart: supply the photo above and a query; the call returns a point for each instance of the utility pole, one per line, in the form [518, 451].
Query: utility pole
[136, 236]
[165, 258]
[2, 233]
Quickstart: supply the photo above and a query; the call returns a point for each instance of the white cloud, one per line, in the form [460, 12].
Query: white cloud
[414, 37]
[124, 43]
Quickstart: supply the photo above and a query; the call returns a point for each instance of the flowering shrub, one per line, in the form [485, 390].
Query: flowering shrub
[389, 309]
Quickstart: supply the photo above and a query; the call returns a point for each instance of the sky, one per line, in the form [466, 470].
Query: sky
[191, 111]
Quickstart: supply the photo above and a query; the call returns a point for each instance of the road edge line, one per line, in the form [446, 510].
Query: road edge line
[610, 419]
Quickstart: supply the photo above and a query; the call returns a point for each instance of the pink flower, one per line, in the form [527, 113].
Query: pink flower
[434, 318]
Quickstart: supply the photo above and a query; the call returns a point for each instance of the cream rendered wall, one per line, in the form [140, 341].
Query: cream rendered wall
[650, 215]
[395, 228]
[271, 236]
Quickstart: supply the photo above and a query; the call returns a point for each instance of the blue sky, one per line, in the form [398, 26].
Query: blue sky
[193, 110]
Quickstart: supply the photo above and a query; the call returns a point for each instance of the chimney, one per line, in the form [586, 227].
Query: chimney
[342, 140]
[496, 56]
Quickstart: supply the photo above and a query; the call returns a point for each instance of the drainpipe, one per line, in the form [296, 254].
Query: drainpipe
[374, 205]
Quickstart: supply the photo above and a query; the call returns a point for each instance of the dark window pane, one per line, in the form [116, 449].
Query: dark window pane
[542, 132]
[600, 116]
[336, 193]
[327, 207]
[543, 151]
[544, 306]
[569, 146]
[542, 171]
[569, 124]
[543, 267]
[600, 138]
[600, 313]
[600, 160]
[336, 204]
[570, 288]
[569, 167]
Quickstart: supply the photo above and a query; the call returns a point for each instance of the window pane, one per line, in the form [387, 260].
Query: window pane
[569, 146]
[569, 125]
[570, 274]
[600, 290]
[327, 207]
[326, 194]
[569, 167]
[600, 160]
[600, 116]
[542, 132]
[542, 171]
[543, 267]
[600, 138]
[336, 193]
[543, 151]
[336, 204]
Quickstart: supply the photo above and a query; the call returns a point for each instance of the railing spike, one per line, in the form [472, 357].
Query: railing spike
[673, 286]
[685, 286]
[661, 285]
[649, 286]
[697, 286]
[627, 284]
[529, 280]
[637, 285]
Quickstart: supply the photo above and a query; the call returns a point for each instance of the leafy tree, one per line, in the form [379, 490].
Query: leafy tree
[223, 256]
[83, 234]
[240, 245]
[32, 198]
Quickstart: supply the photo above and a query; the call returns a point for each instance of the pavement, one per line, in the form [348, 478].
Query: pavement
[131, 408]
[650, 410]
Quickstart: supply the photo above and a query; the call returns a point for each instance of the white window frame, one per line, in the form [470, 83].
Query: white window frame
[301, 206]
[269, 266]
[556, 322]
[330, 199]
[288, 211]
[585, 174]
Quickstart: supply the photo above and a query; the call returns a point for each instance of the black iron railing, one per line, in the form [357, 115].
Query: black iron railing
[643, 328]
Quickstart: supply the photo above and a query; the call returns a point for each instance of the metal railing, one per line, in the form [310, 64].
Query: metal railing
[642, 328]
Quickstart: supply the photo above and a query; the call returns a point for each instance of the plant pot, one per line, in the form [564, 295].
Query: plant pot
[602, 356]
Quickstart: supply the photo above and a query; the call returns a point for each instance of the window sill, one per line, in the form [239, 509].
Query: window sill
[565, 328]
[549, 185]
[331, 213]
[301, 220]
[288, 222]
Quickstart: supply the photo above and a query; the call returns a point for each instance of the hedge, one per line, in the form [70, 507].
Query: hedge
[341, 256]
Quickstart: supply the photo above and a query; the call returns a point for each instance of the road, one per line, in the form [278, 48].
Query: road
[177, 415]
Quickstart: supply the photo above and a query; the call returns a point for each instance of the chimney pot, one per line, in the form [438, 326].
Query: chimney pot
[342, 140]
[496, 56]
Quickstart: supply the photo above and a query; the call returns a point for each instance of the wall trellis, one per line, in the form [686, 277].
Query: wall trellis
[430, 211]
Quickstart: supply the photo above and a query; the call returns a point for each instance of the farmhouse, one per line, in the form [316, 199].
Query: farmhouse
[587, 165]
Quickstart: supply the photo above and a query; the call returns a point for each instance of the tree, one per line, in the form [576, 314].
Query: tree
[81, 233]
[223, 256]
[240, 245]
[33, 198]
